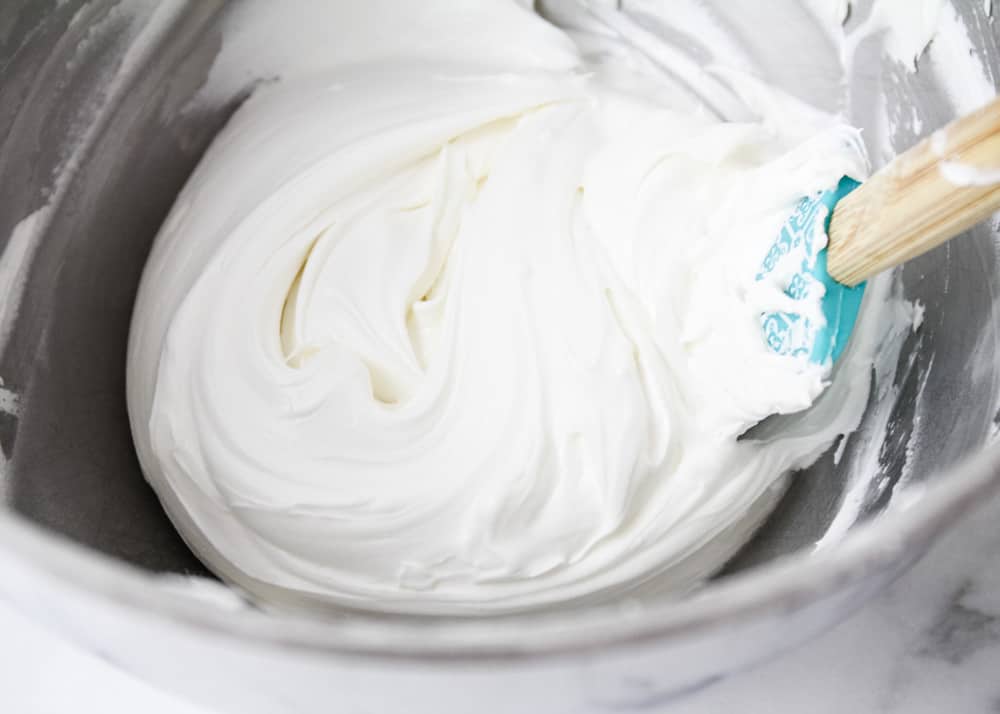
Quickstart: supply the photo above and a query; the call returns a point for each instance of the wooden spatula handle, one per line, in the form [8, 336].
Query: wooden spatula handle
[917, 202]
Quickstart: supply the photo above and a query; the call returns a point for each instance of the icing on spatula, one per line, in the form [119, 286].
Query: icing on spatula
[839, 238]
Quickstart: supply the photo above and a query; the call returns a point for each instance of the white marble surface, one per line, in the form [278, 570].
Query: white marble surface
[929, 644]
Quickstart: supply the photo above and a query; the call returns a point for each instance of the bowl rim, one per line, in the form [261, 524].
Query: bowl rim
[896, 538]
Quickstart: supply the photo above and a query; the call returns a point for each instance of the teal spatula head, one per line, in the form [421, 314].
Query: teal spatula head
[796, 261]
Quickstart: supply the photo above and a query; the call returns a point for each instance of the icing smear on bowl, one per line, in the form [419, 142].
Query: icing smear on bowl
[464, 318]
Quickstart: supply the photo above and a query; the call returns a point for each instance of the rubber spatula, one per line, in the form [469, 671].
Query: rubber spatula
[926, 196]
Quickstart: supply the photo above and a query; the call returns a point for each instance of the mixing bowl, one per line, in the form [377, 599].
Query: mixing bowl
[103, 115]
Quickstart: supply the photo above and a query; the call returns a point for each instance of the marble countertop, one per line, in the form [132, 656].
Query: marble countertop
[928, 644]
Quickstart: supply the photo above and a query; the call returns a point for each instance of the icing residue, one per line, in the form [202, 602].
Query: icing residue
[15, 262]
[960, 174]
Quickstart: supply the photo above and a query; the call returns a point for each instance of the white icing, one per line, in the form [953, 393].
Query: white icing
[831, 14]
[15, 262]
[907, 26]
[939, 142]
[472, 325]
[919, 311]
[956, 65]
[864, 465]
[962, 174]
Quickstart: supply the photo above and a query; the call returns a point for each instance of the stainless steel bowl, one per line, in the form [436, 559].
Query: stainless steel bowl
[99, 132]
